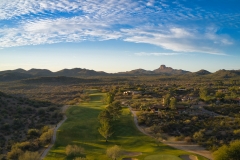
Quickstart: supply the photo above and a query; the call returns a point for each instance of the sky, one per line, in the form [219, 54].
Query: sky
[120, 35]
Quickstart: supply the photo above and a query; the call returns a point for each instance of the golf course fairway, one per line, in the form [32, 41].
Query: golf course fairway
[81, 128]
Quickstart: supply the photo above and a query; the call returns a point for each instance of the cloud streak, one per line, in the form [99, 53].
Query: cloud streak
[152, 22]
[156, 54]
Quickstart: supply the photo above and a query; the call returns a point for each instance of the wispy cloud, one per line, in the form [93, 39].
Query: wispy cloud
[156, 54]
[179, 39]
[147, 21]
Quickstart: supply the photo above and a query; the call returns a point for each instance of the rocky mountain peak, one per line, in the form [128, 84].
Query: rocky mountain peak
[162, 67]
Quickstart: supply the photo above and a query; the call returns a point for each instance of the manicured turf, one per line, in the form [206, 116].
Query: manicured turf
[162, 157]
[81, 128]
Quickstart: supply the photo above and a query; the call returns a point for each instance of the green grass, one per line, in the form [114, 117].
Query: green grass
[81, 128]
[162, 157]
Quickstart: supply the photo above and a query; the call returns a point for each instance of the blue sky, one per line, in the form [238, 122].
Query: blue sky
[120, 35]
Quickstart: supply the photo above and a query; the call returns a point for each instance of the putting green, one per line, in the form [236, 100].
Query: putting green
[162, 157]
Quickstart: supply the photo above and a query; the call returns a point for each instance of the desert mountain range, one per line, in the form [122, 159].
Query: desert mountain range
[18, 74]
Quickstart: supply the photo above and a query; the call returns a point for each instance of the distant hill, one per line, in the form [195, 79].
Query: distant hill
[136, 72]
[79, 72]
[169, 70]
[226, 73]
[201, 72]
[40, 72]
[162, 70]
[20, 74]
[13, 76]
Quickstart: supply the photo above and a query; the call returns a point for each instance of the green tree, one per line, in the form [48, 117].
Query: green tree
[115, 109]
[109, 97]
[104, 116]
[231, 152]
[114, 152]
[105, 130]
[173, 103]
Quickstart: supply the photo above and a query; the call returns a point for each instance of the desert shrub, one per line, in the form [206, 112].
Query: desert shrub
[46, 137]
[236, 132]
[114, 152]
[188, 139]
[230, 152]
[23, 145]
[74, 150]
[14, 153]
[179, 138]
[45, 129]
[29, 156]
[33, 132]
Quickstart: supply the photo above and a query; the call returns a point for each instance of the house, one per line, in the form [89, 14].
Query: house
[127, 93]
[132, 93]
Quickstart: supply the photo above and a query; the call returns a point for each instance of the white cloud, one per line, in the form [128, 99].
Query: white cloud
[150, 21]
[9, 9]
[156, 54]
[179, 39]
[150, 3]
[79, 29]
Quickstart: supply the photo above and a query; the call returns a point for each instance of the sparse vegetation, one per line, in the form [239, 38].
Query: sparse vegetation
[28, 105]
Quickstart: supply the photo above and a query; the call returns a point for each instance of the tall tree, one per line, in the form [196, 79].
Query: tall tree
[109, 97]
[105, 130]
[115, 109]
[104, 116]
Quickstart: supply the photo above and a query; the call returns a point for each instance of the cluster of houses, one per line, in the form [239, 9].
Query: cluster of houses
[127, 93]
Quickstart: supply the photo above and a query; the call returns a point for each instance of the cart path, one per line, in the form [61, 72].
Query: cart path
[64, 108]
[193, 148]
